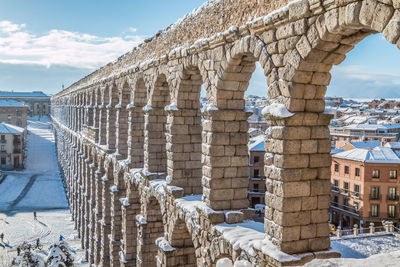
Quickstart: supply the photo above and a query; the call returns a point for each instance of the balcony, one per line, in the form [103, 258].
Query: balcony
[392, 197]
[375, 197]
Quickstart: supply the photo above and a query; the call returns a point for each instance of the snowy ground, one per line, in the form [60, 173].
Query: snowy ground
[37, 188]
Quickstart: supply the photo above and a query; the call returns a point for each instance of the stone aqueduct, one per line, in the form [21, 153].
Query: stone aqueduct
[150, 176]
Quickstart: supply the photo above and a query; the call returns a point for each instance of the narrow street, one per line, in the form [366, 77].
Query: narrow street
[37, 188]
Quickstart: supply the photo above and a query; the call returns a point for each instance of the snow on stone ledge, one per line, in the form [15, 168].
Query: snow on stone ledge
[277, 110]
[147, 108]
[209, 107]
[171, 107]
[114, 188]
[140, 219]
[164, 245]
[249, 235]
[125, 202]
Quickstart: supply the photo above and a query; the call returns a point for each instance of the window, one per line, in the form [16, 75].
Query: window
[336, 185]
[3, 138]
[392, 193]
[375, 174]
[3, 148]
[375, 192]
[255, 187]
[346, 187]
[256, 173]
[256, 159]
[374, 210]
[357, 190]
[356, 206]
[393, 174]
[391, 211]
[346, 169]
[335, 201]
[357, 171]
[346, 203]
[336, 167]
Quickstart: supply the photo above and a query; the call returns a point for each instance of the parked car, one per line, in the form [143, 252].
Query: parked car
[260, 208]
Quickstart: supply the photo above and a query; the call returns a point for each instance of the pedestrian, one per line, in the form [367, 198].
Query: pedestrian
[37, 242]
[2, 237]
[61, 237]
[18, 251]
[34, 216]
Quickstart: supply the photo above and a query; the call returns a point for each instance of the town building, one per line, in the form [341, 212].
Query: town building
[365, 132]
[11, 146]
[13, 112]
[365, 184]
[37, 101]
[256, 171]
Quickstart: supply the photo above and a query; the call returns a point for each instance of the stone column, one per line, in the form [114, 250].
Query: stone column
[86, 206]
[89, 116]
[106, 221]
[155, 160]
[111, 129]
[297, 170]
[117, 192]
[184, 150]
[92, 212]
[99, 174]
[122, 132]
[136, 137]
[225, 159]
[130, 208]
[102, 125]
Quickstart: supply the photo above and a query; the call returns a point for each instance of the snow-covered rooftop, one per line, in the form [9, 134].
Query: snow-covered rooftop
[393, 144]
[11, 103]
[21, 94]
[6, 128]
[257, 145]
[366, 144]
[377, 155]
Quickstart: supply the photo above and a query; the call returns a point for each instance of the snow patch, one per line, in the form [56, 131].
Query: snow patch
[162, 243]
[171, 107]
[209, 107]
[224, 262]
[277, 110]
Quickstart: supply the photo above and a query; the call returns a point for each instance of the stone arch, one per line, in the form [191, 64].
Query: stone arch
[237, 69]
[155, 160]
[122, 116]
[150, 227]
[225, 125]
[183, 250]
[130, 208]
[184, 133]
[136, 121]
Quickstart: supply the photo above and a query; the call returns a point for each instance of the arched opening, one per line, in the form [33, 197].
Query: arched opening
[98, 211]
[107, 182]
[184, 134]
[301, 163]
[155, 121]
[363, 119]
[136, 124]
[150, 227]
[103, 115]
[225, 126]
[130, 208]
[124, 95]
[111, 116]
[117, 193]
[179, 250]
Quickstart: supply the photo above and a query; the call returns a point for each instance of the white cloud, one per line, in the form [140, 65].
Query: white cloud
[81, 50]
[132, 29]
[361, 73]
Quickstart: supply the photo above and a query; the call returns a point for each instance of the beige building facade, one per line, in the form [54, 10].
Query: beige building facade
[13, 112]
[38, 102]
[12, 144]
[365, 189]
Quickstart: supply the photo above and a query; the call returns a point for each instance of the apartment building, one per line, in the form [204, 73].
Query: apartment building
[365, 186]
[11, 146]
[366, 132]
[38, 102]
[256, 171]
[13, 112]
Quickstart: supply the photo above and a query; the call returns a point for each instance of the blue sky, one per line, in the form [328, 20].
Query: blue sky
[47, 43]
